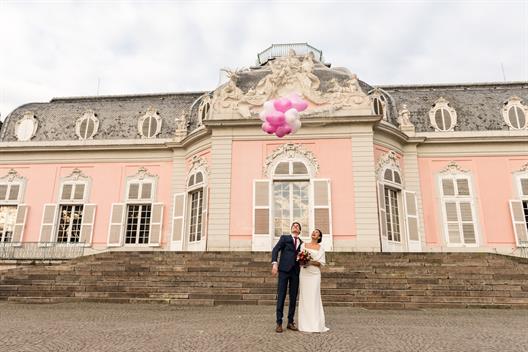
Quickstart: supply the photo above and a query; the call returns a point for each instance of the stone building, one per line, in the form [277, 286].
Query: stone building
[376, 168]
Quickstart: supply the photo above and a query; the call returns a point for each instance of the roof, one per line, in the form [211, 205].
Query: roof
[478, 105]
[118, 115]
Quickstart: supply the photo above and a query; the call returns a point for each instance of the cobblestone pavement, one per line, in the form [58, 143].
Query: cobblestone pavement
[111, 327]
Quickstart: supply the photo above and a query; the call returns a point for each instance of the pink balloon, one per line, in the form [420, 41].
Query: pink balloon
[276, 118]
[268, 128]
[283, 130]
[282, 104]
[300, 105]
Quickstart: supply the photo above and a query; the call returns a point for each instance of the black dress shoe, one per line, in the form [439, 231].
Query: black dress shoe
[292, 326]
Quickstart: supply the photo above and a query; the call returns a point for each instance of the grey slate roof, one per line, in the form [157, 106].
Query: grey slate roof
[118, 115]
[478, 105]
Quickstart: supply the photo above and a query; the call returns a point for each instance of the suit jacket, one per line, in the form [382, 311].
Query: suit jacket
[288, 254]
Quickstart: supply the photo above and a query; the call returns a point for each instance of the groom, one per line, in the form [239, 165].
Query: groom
[288, 270]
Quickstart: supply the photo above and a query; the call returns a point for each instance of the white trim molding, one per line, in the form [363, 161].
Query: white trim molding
[516, 103]
[30, 118]
[87, 116]
[443, 105]
[290, 151]
[151, 113]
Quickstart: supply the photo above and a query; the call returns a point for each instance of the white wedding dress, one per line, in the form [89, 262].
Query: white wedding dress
[311, 314]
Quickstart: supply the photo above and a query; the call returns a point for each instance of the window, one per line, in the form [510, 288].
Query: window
[149, 125]
[291, 196]
[203, 110]
[458, 212]
[196, 208]
[87, 126]
[138, 223]
[442, 116]
[70, 220]
[515, 114]
[26, 127]
[7, 222]
[9, 192]
[392, 189]
[379, 103]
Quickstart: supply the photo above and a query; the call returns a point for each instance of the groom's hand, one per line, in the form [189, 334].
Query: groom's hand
[274, 269]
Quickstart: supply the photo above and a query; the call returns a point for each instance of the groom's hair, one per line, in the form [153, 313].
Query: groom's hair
[295, 222]
[320, 236]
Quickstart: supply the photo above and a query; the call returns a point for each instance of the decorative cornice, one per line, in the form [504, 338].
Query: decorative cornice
[198, 163]
[388, 160]
[77, 175]
[11, 176]
[453, 168]
[291, 151]
[142, 174]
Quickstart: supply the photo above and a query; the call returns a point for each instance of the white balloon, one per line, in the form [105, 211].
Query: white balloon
[291, 115]
[262, 115]
[295, 125]
[268, 106]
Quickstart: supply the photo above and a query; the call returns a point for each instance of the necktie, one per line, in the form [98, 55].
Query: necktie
[295, 243]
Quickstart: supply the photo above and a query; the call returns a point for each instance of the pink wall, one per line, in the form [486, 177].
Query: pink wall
[107, 187]
[334, 157]
[493, 184]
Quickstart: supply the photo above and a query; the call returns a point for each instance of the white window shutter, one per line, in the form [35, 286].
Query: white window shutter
[156, 222]
[87, 225]
[204, 212]
[411, 216]
[117, 222]
[49, 221]
[468, 222]
[178, 212]
[322, 206]
[261, 207]
[520, 227]
[20, 224]
[524, 186]
[382, 211]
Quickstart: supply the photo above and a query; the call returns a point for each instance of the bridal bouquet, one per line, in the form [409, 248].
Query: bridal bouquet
[304, 257]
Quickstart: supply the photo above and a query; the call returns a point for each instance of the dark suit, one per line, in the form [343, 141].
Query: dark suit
[288, 274]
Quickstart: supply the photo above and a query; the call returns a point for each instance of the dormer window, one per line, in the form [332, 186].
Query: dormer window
[149, 125]
[443, 117]
[26, 127]
[515, 114]
[379, 103]
[87, 126]
[205, 107]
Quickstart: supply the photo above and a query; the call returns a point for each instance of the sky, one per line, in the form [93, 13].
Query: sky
[75, 48]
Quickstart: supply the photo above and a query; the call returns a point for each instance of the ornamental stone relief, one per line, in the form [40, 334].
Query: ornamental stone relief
[289, 74]
[388, 160]
[453, 168]
[291, 151]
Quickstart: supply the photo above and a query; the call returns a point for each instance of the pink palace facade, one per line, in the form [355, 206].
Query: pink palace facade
[389, 168]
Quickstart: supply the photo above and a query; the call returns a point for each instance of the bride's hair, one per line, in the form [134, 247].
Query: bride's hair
[320, 236]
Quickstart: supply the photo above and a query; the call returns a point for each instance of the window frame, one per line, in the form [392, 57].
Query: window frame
[195, 187]
[511, 103]
[458, 199]
[151, 113]
[442, 104]
[88, 115]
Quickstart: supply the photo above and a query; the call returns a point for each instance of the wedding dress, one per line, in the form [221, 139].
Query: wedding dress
[311, 314]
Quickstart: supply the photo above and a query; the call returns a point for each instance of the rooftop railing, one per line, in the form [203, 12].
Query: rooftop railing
[278, 50]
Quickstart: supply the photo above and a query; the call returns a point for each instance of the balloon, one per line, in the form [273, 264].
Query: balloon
[262, 115]
[282, 104]
[276, 118]
[298, 103]
[268, 107]
[268, 128]
[291, 115]
[295, 126]
[283, 130]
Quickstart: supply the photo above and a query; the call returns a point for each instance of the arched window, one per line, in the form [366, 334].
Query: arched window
[442, 116]
[12, 211]
[203, 110]
[291, 196]
[515, 114]
[196, 200]
[87, 126]
[379, 103]
[149, 125]
[391, 187]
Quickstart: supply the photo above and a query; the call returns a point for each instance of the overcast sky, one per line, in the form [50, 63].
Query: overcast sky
[56, 49]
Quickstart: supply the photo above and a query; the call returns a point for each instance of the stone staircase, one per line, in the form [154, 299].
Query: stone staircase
[369, 280]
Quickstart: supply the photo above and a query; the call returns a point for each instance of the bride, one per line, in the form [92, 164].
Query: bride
[311, 313]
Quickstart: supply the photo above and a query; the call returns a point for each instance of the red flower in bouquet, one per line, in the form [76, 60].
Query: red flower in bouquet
[303, 257]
